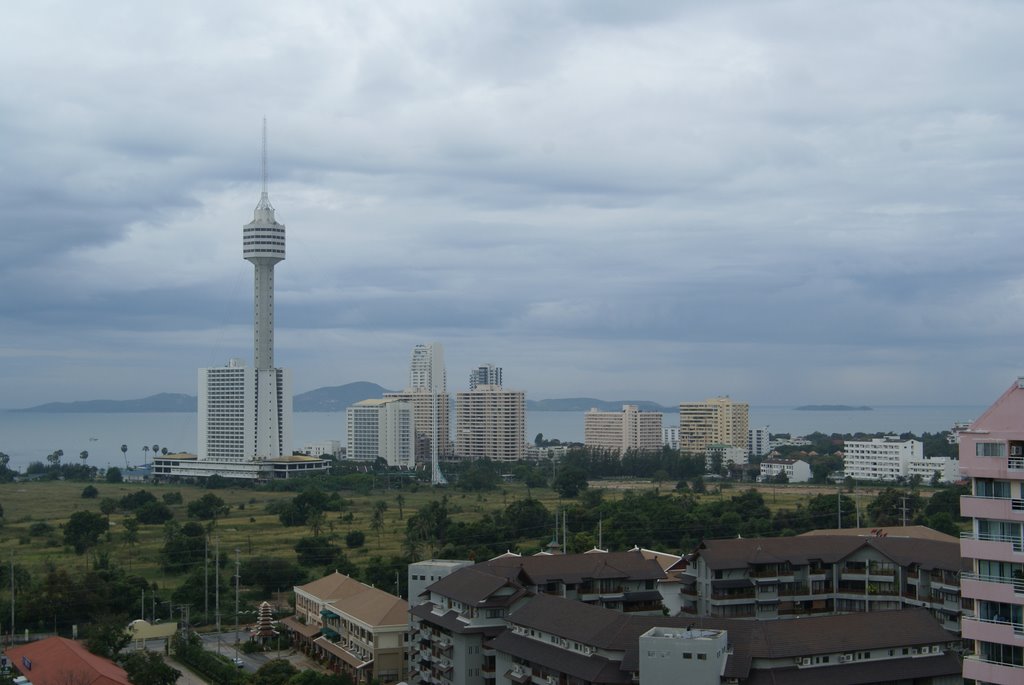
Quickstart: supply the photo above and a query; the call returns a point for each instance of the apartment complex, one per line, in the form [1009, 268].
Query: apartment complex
[381, 429]
[770, 578]
[885, 459]
[796, 470]
[760, 442]
[623, 431]
[490, 423]
[354, 628]
[992, 457]
[716, 421]
[427, 392]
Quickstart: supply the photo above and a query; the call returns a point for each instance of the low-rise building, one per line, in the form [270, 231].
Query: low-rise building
[925, 468]
[726, 455]
[787, 577]
[796, 470]
[352, 627]
[59, 661]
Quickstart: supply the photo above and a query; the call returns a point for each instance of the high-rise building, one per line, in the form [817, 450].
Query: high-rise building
[992, 457]
[716, 421]
[760, 442]
[381, 429]
[245, 413]
[490, 423]
[886, 459]
[487, 374]
[428, 395]
[623, 431]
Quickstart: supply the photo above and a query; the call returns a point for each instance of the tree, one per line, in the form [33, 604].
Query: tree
[90, 492]
[114, 475]
[54, 458]
[570, 481]
[83, 455]
[156, 450]
[528, 517]
[207, 507]
[272, 574]
[355, 538]
[154, 513]
[149, 668]
[83, 530]
[276, 672]
[892, 506]
[400, 501]
[377, 519]
[106, 636]
[316, 551]
[124, 451]
[145, 454]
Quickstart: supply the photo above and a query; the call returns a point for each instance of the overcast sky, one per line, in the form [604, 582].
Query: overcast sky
[786, 202]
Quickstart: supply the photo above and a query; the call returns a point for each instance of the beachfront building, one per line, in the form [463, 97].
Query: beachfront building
[380, 429]
[760, 442]
[619, 432]
[882, 459]
[992, 458]
[724, 456]
[427, 392]
[485, 374]
[715, 421]
[490, 423]
[670, 437]
[926, 468]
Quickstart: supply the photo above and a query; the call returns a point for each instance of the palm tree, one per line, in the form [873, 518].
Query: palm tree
[377, 520]
[124, 451]
[156, 450]
[83, 455]
[400, 500]
[145, 454]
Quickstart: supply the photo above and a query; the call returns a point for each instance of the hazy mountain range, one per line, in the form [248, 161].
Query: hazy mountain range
[327, 399]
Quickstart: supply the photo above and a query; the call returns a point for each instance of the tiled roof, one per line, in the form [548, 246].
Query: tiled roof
[476, 585]
[332, 587]
[575, 568]
[871, 671]
[799, 550]
[59, 660]
[923, 532]
[374, 607]
[593, 669]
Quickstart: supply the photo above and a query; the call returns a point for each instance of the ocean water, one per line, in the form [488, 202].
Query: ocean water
[28, 437]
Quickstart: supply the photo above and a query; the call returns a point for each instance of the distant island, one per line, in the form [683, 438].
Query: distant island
[334, 398]
[832, 407]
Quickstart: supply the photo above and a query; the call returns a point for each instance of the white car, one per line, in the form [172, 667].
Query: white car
[237, 661]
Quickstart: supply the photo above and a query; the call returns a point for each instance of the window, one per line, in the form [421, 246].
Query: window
[990, 449]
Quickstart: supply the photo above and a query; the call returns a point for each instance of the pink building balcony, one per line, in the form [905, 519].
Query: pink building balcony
[994, 547]
[992, 672]
[1005, 509]
[1002, 632]
[992, 588]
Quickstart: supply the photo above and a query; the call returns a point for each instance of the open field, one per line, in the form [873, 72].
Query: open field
[255, 533]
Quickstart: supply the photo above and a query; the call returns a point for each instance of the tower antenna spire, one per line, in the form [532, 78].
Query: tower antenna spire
[263, 168]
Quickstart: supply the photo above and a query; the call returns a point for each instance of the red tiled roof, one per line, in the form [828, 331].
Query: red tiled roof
[57, 660]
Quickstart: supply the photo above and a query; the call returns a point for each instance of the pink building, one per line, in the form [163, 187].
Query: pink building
[992, 457]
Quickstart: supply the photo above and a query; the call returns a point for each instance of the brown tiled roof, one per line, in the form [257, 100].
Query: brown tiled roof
[477, 586]
[575, 568]
[332, 587]
[871, 671]
[59, 660]
[569, 619]
[799, 550]
[448, 620]
[301, 628]
[923, 532]
[593, 669]
[374, 607]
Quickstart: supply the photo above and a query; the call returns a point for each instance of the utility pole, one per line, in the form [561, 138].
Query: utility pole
[216, 590]
[839, 507]
[12, 597]
[236, 594]
[143, 606]
[903, 509]
[206, 575]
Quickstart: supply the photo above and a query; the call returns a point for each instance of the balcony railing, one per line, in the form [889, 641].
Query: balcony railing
[1016, 583]
[1015, 540]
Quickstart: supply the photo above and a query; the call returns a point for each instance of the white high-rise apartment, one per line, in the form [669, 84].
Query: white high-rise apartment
[490, 423]
[487, 374]
[381, 429]
[886, 459]
[622, 431]
[716, 421]
[426, 369]
[760, 442]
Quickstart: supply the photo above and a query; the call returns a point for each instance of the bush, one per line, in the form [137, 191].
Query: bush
[40, 528]
[171, 498]
[90, 492]
[354, 539]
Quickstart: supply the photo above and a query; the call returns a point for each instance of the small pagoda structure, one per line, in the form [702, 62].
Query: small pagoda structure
[264, 629]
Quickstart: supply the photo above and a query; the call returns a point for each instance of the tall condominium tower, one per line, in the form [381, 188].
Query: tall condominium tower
[717, 421]
[487, 374]
[992, 458]
[621, 432]
[428, 394]
[490, 423]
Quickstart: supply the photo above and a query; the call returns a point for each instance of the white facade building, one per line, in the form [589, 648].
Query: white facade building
[796, 470]
[760, 442]
[670, 437]
[324, 448]
[948, 469]
[381, 429]
[620, 432]
[729, 455]
[882, 459]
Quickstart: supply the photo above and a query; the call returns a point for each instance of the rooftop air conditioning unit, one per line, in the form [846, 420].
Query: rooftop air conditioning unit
[843, 658]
